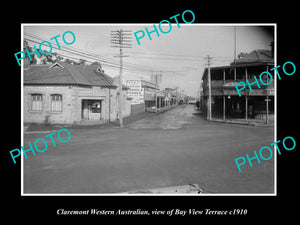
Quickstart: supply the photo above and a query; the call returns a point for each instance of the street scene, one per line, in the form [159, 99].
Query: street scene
[170, 149]
[162, 117]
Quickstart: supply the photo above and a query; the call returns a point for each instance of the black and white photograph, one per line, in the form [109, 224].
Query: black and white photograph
[131, 113]
[149, 112]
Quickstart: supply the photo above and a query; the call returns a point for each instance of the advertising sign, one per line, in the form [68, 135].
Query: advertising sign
[136, 92]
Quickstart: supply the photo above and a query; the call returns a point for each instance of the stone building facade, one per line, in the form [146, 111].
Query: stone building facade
[64, 93]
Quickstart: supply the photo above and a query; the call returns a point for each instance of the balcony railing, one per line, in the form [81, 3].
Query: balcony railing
[231, 83]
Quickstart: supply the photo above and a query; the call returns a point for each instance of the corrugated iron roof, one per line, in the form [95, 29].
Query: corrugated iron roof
[66, 73]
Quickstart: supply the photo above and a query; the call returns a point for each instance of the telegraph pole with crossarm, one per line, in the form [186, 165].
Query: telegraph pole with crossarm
[120, 39]
[208, 58]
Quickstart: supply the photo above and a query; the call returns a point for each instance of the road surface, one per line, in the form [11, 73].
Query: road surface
[174, 148]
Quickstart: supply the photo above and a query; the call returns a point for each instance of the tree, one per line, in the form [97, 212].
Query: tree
[96, 63]
[68, 61]
[56, 57]
[43, 59]
[82, 62]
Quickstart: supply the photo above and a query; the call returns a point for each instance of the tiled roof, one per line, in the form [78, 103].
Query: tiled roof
[66, 73]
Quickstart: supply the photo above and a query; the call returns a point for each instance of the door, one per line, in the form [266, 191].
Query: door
[91, 109]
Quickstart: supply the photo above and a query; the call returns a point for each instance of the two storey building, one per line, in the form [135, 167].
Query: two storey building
[225, 101]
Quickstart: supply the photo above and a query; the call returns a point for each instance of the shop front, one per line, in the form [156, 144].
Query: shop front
[91, 109]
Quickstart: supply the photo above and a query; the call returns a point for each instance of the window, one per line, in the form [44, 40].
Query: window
[37, 102]
[240, 73]
[96, 106]
[56, 103]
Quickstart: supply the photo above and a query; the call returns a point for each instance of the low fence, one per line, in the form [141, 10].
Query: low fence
[137, 108]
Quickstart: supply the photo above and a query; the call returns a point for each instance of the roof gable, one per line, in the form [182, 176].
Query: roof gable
[56, 65]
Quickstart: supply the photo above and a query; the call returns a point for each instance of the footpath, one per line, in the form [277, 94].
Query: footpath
[251, 122]
[45, 128]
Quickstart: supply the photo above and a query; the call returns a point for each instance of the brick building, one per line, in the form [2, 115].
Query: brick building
[65, 93]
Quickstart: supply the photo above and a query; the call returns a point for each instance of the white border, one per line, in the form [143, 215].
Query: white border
[143, 24]
[275, 115]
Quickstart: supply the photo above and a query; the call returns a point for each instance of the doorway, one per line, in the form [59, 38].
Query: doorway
[91, 109]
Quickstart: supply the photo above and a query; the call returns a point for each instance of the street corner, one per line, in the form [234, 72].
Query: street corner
[182, 189]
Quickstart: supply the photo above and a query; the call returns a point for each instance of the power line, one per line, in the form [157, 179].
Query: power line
[171, 57]
[93, 56]
[105, 62]
[127, 66]
[65, 47]
[86, 53]
[197, 57]
[163, 54]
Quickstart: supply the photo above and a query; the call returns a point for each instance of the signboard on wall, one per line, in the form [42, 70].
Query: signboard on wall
[256, 92]
[231, 92]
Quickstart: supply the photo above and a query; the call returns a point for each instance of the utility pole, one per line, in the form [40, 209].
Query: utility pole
[234, 48]
[157, 80]
[267, 101]
[121, 39]
[155, 93]
[176, 95]
[209, 87]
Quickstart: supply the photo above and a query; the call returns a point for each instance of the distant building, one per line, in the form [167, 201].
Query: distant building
[173, 96]
[135, 91]
[225, 101]
[66, 93]
[143, 95]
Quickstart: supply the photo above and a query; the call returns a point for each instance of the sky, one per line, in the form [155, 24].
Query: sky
[178, 55]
